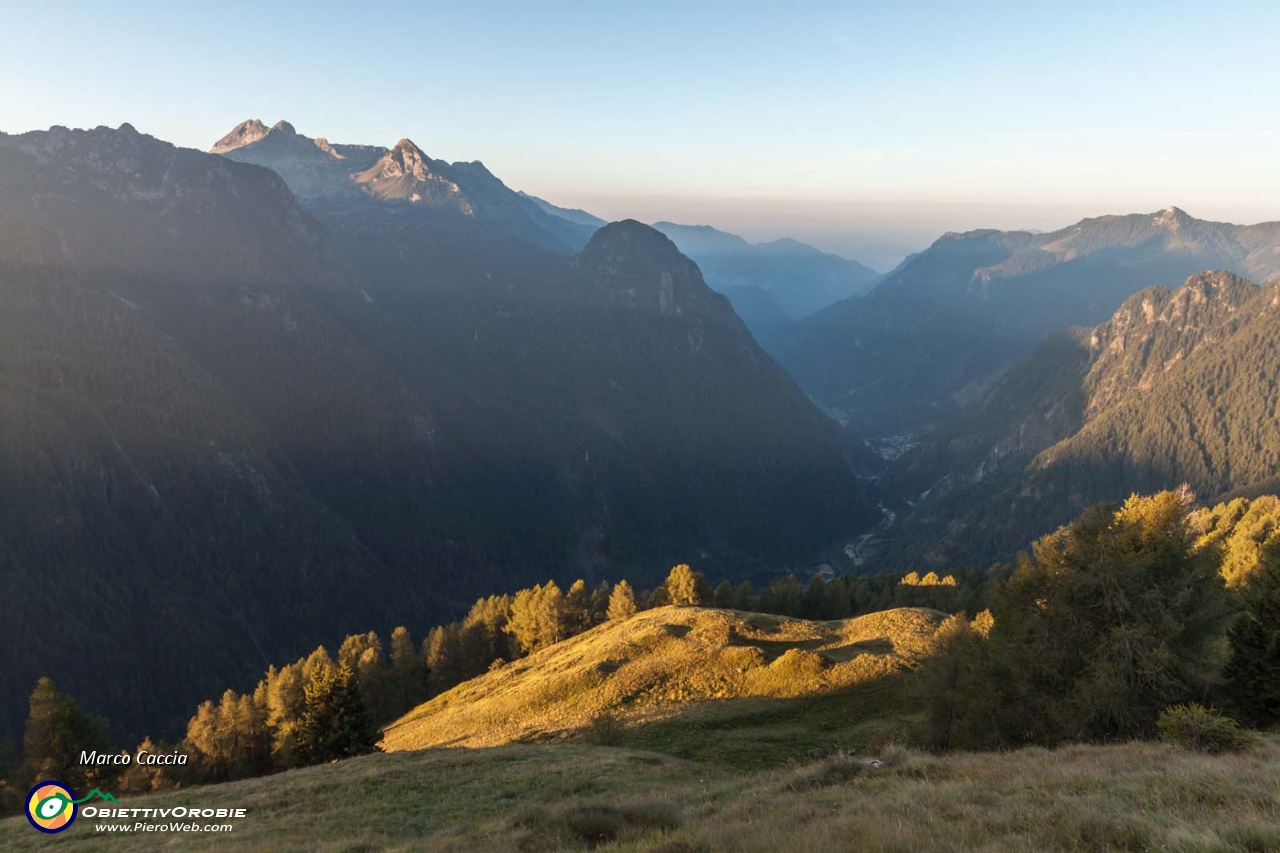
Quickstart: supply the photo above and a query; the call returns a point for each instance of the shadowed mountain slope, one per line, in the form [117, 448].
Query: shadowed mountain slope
[245, 430]
[1177, 386]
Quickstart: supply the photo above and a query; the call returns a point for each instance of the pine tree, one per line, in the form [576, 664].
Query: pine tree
[1109, 621]
[443, 654]
[285, 704]
[525, 624]
[622, 602]
[1252, 673]
[408, 673]
[954, 686]
[784, 596]
[600, 602]
[577, 609]
[57, 731]
[552, 627]
[336, 723]
[811, 603]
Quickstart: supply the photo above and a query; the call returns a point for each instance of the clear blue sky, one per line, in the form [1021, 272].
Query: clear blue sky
[864, 127]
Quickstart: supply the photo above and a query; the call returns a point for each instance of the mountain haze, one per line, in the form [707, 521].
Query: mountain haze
[938, 331]
[248, 427]
[770, 284]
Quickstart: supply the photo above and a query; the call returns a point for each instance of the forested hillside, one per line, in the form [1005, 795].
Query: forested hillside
[1177, 387]
[240, 428]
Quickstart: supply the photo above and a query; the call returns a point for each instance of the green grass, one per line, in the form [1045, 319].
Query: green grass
[784, 762]
[574, 796]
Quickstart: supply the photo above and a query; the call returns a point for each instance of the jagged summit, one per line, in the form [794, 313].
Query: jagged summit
[359, 179]
[407, 158]
[280, 140]
[406, 173]
[245, 133]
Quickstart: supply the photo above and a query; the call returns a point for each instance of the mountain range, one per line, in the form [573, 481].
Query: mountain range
[939, 331]
[1177, 386]
[770, 284]
[350, 179]
[249, 409]
[268, 395]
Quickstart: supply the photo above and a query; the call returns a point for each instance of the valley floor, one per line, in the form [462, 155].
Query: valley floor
[573, 796]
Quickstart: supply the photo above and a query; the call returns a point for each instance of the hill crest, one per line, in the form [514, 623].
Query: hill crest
[659, 663]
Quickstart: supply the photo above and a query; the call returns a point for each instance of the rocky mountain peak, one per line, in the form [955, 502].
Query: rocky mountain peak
[284, 127]
[1172, 217]
[245, 133]
[1156, 328]
[405, 159]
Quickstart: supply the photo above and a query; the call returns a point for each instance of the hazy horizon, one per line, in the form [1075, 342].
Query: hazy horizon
[869, 132]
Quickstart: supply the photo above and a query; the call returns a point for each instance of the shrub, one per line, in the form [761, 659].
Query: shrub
[605, 729]
[1202, 729]
[598, 823]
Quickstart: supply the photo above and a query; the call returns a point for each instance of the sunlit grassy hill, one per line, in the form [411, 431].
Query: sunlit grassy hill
[729, 731]
[681, 666]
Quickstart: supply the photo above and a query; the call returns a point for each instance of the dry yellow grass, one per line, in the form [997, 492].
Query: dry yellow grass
[574, 796]
[658, 664]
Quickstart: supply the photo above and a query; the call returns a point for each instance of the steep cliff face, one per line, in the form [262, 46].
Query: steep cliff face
[1156, 329]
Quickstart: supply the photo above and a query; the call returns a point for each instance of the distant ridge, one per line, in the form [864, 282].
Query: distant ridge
[770, 284]
[938, 330]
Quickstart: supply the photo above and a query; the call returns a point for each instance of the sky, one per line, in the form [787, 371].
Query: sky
[865, 128]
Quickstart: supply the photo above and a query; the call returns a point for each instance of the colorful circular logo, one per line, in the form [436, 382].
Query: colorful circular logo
[51, 806]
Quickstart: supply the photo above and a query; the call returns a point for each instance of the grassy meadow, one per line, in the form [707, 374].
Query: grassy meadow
[578, 796]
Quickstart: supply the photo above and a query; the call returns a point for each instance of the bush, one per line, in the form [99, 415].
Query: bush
[605, 729]
[1202, 729]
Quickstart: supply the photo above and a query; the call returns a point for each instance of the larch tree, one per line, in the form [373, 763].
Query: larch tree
[682, 586]
[622, 601]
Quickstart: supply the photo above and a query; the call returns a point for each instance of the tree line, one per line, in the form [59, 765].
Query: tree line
[321, 707]
[1112, 620]
[1090, 635]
